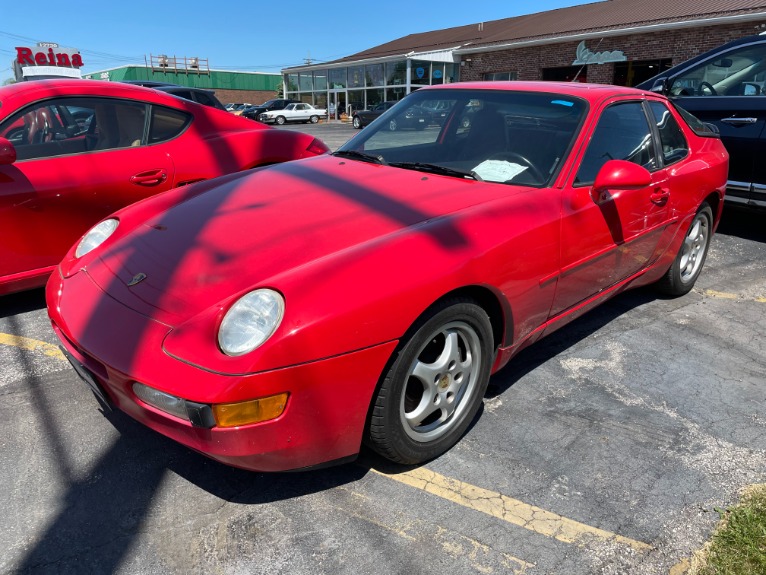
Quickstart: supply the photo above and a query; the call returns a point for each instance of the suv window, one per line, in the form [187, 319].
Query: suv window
[622, 133]
[672, 139]
[739, 72]
[203, 98]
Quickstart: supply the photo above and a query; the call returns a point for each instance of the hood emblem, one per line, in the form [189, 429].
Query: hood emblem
[137, 279]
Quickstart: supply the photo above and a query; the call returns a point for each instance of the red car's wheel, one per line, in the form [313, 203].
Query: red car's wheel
[435, 384]
[687, 266]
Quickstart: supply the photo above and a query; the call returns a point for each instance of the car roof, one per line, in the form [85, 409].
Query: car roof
[75, 87]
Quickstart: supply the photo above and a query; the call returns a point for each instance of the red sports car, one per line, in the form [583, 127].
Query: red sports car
[280, 319]
[73, 151]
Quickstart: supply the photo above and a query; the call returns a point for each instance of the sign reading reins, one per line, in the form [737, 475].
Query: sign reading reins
[46, 60]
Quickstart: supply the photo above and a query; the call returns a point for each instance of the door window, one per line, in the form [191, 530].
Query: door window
[64, 126]
[622, 133]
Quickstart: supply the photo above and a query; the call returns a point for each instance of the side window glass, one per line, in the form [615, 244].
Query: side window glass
[74, 125]
[672, 140]
[736, 73]
[166, 124]
[622, 133]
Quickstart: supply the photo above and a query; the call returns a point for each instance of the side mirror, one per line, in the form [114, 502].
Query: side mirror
[661, 86]
[7, 152]
[620, 175]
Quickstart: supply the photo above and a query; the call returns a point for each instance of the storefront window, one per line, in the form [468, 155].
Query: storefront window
[394, 94]
[305, 82]
[437, 73]
[320, 98]
[356, 99]
[396, 73]
[291, 80]
[450, 73]
[375, 97]
[374, 75]
[320, 80]
[356, 77]
[420, 74]
[634, 72]
[337, 78]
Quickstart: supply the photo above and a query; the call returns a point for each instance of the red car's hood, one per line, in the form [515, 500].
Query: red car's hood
[249, 230]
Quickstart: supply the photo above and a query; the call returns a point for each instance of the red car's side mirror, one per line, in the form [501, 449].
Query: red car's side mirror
[7, 152]
[621, 175]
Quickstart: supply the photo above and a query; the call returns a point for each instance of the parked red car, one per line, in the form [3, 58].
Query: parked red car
[73, 151]
[279, 319]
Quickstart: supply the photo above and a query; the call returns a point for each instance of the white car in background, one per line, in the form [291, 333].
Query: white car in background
[294, 113]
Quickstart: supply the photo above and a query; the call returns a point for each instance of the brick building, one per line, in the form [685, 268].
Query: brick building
[610, 42]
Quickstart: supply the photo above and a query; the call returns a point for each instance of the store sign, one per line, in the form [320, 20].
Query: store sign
[47, 59]
[585, 56]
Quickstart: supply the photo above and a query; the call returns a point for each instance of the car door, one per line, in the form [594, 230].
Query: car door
[728, 90]
[608, 236]
[69, 177]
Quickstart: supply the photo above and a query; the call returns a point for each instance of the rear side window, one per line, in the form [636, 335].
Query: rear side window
[622, 133]
[166, 124]
[672, 140]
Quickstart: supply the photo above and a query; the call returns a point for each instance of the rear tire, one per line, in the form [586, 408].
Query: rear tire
[314, 119]
[435, 384]
[357, 123]
[686, 267]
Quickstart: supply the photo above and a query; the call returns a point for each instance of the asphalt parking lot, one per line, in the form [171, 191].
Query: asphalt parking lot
[604, 448]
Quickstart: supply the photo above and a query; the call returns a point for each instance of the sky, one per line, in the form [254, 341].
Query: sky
[244, 36]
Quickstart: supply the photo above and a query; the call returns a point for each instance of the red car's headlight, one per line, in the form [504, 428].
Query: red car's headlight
[250, 321]
[96, 236]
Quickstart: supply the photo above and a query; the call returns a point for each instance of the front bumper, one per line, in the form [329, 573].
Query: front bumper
[325, 414]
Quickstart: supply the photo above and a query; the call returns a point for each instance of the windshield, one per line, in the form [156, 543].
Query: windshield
[492, 135]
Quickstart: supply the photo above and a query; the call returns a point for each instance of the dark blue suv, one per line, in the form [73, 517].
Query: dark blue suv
[726, 87]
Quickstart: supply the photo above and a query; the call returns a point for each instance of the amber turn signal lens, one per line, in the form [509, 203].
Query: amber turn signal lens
[248, 412]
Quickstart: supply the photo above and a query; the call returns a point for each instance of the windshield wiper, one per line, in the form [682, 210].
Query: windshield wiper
[361, 156]
[436, 169]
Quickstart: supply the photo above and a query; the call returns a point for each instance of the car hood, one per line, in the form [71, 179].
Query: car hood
[249, 230]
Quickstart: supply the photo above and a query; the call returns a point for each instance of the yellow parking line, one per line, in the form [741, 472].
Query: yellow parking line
[31, 345]
[732, 296]
[508, 509]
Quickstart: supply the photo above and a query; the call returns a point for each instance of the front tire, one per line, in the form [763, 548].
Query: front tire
[392, 125]
[280, 120]
[687, 265]
[435, 384]
[357, 123]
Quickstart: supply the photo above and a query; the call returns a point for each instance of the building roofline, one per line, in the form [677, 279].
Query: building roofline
[610, 32]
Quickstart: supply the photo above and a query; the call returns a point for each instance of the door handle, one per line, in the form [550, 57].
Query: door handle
[149, 178]
[660, 196]
[740, 121]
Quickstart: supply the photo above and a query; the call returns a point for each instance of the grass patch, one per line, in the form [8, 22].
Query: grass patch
[738, 546]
